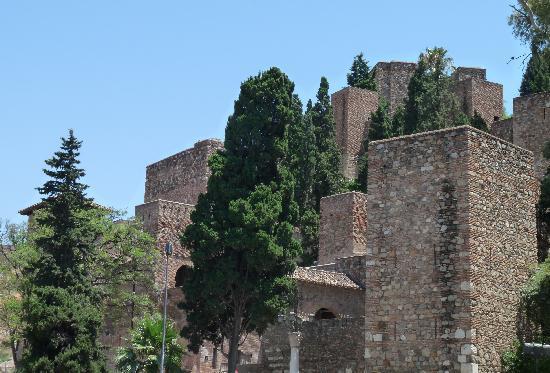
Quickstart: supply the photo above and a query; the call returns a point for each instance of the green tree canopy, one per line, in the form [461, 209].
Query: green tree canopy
[530, 20]
[536, 77]
[314, 160]
[360, 75]
[431, 103]
[240, 237]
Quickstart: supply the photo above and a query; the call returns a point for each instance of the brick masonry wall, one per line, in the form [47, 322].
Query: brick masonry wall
[503, 129]
[392, 81]
[327, 346]
[166, 220]
[181, 177]
[532, 126]
[342, 226]
[352, 111]
[340, 301]
[424, 305]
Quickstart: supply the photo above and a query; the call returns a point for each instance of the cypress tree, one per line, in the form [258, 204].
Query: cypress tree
[241, 235]
[536, 77]
[431, 104]
[328, 177]
[61, 309]
[360, 75]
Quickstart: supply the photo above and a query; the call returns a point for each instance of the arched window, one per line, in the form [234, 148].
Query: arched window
[181, 275]
[324, 314]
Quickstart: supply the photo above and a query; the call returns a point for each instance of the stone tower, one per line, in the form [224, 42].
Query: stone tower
[352, 111]
[476, 94]
[392, 81]
[451, 234]
[531, 126]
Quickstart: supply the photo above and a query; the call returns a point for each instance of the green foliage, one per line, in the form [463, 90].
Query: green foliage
[241, 235]
[83, 266]
[515, 361]
[536, 77]
[478, 122]
[431, 104]
[314, 160]
[143, 353]
[383, 126]
[530, 20]
[360, 75]
[536, 297]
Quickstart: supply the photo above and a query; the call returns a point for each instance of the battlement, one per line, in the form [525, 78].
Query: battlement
[463, 73]
[182, 176]
[451, 233]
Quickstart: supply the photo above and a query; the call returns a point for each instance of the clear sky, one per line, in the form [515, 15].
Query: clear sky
[141, 80]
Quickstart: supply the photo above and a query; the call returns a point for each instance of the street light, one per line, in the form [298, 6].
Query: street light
[168, 249]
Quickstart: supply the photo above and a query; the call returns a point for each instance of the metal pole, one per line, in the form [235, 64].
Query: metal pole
[167, 251]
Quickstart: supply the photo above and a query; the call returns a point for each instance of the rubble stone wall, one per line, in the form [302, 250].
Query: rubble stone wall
[352, 111]
[329, 346]
[342, 226]
[463, 73]
[182, 176]
[429, 203]
[532, 126]
[503, 192]
[353, 267]
[340, 301]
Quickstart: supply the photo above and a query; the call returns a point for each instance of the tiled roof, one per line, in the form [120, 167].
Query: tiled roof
[321, 277]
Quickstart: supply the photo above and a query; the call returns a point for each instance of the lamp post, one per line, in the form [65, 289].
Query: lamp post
[167, 252]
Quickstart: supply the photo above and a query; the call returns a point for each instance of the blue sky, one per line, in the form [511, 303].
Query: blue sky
[141, 80]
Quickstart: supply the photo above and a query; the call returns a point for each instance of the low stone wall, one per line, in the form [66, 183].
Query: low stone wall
[327, 346]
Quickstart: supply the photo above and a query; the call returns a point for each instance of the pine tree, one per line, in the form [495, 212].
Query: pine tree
[60, 308]
[431, 104]
[360, 75]
[536, 77]
[241, 235]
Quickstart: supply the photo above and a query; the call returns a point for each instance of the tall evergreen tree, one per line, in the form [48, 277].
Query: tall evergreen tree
[328, 176]
[431, 104]
[241, 235]
[360, 75]
[61, 309]
[315, 163]
[536, 77]
[382, 127]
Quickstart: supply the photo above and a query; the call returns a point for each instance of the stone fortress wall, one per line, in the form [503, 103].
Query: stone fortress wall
[451, 234]
[424, 275]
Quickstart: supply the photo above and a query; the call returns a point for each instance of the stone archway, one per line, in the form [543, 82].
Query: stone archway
[324, 314]
[181, 274]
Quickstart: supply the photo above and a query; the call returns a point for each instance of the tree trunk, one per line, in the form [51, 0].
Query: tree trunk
[15, 350]
[234, 343]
